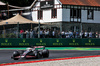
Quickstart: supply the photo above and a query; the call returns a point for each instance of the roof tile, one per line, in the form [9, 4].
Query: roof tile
[81, 2]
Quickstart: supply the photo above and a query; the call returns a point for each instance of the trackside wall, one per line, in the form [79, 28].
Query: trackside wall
[48, 42]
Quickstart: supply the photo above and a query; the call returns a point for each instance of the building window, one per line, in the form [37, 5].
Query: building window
[54, 13]
[40, 14]
[74, 28]
[75, 13]
[90, 14]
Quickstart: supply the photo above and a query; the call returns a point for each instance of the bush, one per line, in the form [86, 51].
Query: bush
[1, 35]
[11, 35]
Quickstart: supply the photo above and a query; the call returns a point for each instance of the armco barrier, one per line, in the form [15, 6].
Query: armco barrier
[52, 42]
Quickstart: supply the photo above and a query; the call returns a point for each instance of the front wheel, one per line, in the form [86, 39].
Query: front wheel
[15, 54]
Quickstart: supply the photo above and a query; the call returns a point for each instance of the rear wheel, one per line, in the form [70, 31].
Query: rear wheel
[45, 53]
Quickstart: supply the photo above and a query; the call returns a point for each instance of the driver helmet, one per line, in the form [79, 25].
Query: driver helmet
[29, 49]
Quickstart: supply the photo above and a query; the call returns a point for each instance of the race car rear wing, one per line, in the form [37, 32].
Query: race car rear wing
[39, 47]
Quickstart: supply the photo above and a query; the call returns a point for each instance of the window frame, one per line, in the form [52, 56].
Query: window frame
[92, 18]
[75, 15]
[54, 13]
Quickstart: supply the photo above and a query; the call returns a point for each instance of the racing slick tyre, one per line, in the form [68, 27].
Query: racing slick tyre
[45, 53]
[15, 54]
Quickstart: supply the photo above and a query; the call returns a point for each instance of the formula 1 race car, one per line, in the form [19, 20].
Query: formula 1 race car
[31, 52]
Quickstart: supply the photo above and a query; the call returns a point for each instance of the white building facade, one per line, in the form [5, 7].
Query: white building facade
[74, 15]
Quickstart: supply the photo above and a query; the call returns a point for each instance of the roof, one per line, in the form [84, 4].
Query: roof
[81, 2]
[16, 19]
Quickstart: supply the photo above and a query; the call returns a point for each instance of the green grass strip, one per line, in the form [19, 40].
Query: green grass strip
[56, 48]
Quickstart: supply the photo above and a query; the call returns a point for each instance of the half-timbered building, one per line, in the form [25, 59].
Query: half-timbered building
[75, 15]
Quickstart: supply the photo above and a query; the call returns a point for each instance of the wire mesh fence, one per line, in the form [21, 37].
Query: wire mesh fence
[9, 33]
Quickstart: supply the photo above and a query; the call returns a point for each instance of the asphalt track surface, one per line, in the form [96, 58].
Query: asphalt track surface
[5, 55]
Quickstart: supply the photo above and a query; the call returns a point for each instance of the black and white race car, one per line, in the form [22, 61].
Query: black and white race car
[31, 52]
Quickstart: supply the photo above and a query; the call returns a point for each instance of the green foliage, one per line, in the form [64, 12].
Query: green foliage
[1, 35]
[21, 3]
[10, 35]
